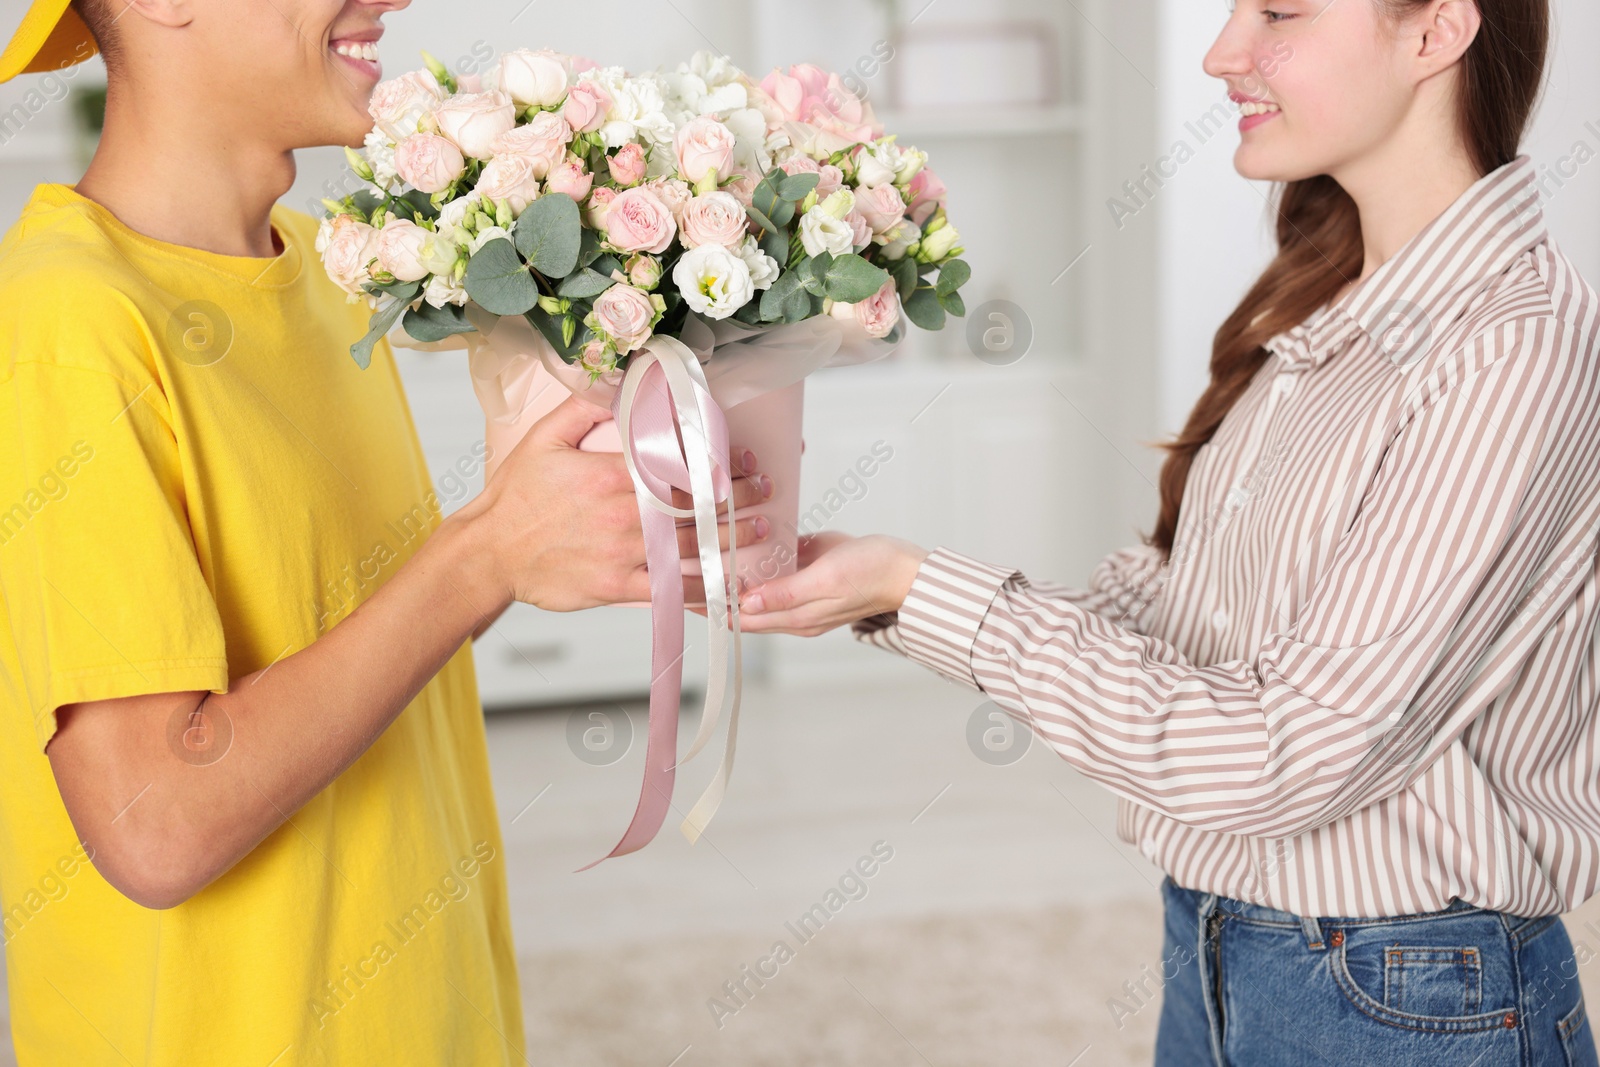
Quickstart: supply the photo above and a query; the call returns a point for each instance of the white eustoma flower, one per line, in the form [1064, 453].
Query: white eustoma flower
[441, 291]
[487, 234]
[750, 148]
[379, 153]
[897, 240]
[714, 282]
[821, 232]
[763, 268]
[448, 224]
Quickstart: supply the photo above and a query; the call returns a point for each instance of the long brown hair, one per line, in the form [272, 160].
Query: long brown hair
[1319, 228]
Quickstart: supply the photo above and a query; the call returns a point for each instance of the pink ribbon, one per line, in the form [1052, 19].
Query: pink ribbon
[674, 435]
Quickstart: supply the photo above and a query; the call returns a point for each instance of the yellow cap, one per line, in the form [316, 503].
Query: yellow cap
[51, 36]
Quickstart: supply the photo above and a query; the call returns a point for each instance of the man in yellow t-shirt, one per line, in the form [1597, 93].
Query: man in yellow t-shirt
[245, 813]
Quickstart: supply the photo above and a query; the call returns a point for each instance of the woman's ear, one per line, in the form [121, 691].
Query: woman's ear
[1448, 29]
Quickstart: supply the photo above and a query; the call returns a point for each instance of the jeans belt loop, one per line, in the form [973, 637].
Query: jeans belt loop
[1312, 928]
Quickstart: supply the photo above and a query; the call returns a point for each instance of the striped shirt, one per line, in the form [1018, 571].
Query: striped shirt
[1365, 682]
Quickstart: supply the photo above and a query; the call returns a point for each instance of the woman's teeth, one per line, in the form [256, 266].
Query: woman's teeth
[1257, 107]
[367, 51]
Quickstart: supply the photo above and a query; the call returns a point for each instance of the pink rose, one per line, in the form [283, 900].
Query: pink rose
[469, 83]
[639, 222]
[572, 179]
[510, 178]
[671, 192]
[879, 312]
[428, 162]
[713, 219]
[586, 106]
[742, 188]
[927, 195]
[882, 207]
[398, 105]
[347, 246]
[628, 165]
[860, 229]
[625, 315]
[472, 121]
[704, 146]
[598, 210]
[543, 141]
[830, 179]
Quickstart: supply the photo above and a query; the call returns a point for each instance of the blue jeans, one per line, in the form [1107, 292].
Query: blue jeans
[1249, 986]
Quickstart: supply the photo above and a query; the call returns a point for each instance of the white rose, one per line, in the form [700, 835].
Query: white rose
[472, 121]
[820, 232]
[531, 79]
[878, 166]
[715, 282]
[410, 252]
[762, 267]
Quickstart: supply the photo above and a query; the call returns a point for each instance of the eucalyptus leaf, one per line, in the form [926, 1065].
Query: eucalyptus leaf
[923, 308]
[605, 264]
[775, 243]
[589, 249]
[770, 202]
[952, 276]
[759, 217]
[952, 303]
[381, 323]
[584, 284]
[421, 204]
[797, 306]
[428, 323]
[774, 299]
[498, 281]
[905, 276]
[814, 273]
[750, 313]
[852, 279]
[796, 186]
[550, 235]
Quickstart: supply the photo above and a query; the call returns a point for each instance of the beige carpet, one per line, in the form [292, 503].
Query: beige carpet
[971, 991]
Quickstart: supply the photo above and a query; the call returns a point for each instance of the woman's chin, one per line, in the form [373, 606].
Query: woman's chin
[1258, 164]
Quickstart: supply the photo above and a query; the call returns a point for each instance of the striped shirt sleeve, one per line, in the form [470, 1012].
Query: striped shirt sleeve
[1414, 627]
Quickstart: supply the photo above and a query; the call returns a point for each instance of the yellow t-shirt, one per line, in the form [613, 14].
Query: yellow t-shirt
[196, 481]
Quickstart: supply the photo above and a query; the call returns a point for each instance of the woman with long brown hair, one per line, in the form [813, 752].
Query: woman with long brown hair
[1345, 689]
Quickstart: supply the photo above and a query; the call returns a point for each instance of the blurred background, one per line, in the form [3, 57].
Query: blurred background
[1010, 925]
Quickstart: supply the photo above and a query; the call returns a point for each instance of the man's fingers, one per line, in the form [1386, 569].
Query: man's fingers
[747, 492]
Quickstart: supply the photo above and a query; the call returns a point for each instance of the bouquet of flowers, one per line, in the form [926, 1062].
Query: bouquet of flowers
[690, 229]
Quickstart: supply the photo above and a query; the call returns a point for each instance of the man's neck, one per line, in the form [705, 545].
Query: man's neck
[175, 176]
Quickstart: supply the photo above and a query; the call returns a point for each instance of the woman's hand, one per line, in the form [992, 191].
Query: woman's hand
[840, 579]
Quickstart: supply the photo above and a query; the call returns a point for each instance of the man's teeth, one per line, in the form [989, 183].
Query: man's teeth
[1257, 107]
[367, 51]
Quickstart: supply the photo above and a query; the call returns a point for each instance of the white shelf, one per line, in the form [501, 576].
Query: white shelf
[932, 123]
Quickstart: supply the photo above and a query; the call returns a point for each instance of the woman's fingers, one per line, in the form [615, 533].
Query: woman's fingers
[751, 531]
[747, 492]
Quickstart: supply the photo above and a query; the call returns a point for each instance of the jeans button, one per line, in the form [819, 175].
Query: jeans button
[1336, 938]
[1510, 1021]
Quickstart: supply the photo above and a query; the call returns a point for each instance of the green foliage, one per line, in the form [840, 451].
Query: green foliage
[924, 309]
[851, 279]
[383, 321]
[428, 323]
[549, 235]
[497, 279]
[584, 284]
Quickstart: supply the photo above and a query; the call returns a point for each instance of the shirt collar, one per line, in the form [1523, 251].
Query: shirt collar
[1419, 291]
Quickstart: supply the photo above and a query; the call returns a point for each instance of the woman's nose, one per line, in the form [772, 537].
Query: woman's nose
[1229, 54]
